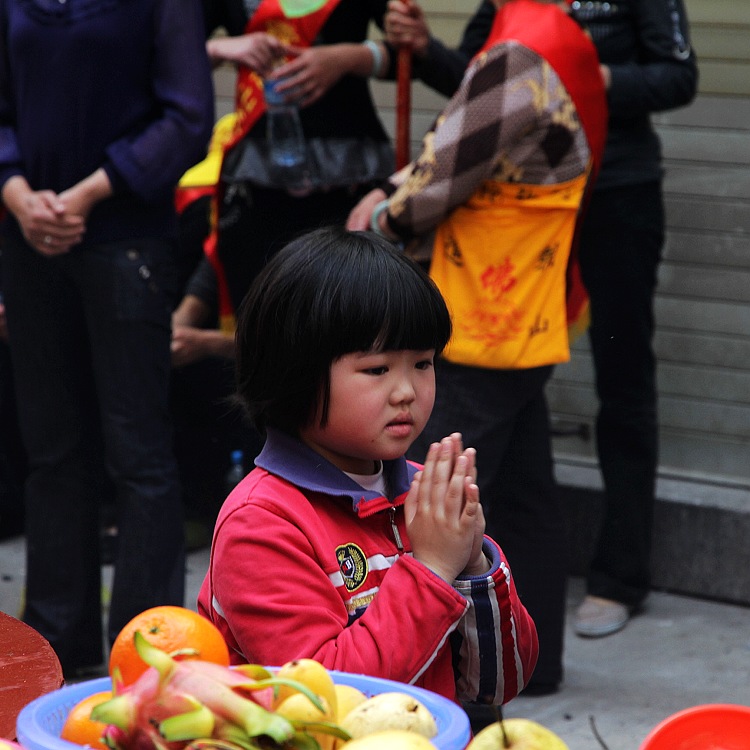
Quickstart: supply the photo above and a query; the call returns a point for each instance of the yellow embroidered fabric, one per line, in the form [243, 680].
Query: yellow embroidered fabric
[500, 262]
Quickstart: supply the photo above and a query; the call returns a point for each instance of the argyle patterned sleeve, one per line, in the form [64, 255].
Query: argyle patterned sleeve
[511, 120]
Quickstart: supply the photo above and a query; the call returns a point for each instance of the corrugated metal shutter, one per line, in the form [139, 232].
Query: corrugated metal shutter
[703, 300]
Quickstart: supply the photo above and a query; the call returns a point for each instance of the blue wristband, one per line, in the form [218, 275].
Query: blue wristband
[374, 218]
[377, 57]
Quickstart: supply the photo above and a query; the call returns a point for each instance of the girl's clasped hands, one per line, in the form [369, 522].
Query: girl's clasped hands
[444, 518]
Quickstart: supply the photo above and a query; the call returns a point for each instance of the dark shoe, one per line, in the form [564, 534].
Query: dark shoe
[480, 715]
[11, 524]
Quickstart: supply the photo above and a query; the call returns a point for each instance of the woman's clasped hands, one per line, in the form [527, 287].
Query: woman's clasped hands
[53, 223]
[44, 218]
[444, 518]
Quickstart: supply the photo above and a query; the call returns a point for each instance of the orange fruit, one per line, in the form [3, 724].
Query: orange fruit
[172, 629]
[79, 727]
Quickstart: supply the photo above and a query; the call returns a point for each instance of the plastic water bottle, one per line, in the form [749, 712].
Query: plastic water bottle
[286, 141]
[236, 471]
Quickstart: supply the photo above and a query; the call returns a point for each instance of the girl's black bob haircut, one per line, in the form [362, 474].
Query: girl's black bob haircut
[328, 293]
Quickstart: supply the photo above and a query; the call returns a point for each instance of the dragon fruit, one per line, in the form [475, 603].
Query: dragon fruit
[199, 705]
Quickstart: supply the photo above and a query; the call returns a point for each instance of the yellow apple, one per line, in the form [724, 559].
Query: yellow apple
[522, 734]
[313, 675]
[390, 739]
[299, 708]
[347, 698]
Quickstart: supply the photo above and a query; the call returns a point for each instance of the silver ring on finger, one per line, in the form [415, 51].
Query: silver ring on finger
[47, 239]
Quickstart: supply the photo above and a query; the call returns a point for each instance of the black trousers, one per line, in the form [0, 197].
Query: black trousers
[12, 454]
[503, 414]
[90, 334]
[620, 251]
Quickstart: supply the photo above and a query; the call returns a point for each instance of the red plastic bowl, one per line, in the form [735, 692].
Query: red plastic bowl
[713, 726]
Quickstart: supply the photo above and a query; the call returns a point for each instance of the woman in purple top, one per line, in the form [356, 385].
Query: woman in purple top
[103, 105]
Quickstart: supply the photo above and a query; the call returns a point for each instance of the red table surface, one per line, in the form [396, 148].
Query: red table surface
[28, 668]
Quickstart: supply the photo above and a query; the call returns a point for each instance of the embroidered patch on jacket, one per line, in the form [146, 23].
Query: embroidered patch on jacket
[353, 565]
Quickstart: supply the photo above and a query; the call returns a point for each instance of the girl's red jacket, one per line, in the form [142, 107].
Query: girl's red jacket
[306, 563]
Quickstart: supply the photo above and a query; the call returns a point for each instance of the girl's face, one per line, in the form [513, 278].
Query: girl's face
[379, 403]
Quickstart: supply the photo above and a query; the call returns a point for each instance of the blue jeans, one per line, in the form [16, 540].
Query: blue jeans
[90, 335]
[620, 251]
[503, 414]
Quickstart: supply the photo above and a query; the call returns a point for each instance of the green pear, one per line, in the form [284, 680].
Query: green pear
[521, 734]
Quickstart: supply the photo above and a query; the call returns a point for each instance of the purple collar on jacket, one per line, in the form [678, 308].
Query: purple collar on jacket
[290, 459]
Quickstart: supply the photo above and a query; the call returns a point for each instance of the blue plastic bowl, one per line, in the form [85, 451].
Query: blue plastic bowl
[39, 724]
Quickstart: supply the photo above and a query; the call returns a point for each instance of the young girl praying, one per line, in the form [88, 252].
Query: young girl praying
[335, 547]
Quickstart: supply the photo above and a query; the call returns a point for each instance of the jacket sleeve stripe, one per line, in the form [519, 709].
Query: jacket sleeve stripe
[486, 614]
[511, 656]
[490, 666]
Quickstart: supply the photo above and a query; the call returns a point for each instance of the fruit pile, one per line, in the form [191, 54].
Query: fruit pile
[172, 689]
[167, 696]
